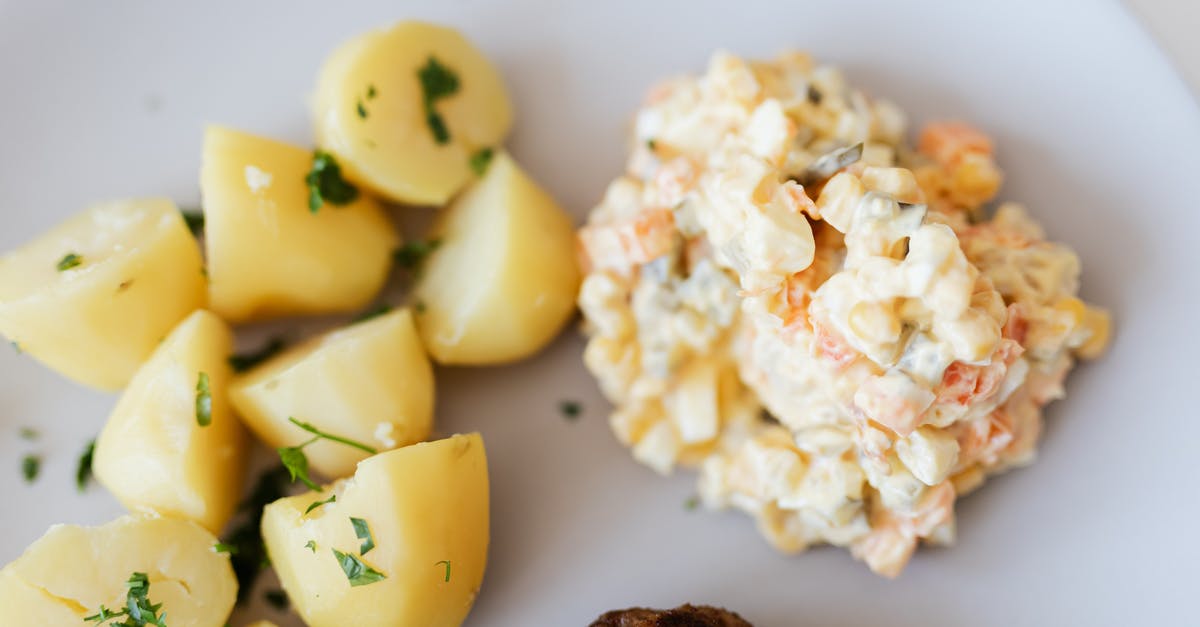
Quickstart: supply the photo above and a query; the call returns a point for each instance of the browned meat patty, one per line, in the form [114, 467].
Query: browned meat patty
[682, 616]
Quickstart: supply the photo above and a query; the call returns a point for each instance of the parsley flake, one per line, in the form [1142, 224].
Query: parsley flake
[245, 361]
[296, 461]
[325, 183]
[691, 503]
[69, 260]
[30, 465]
[194, 219]
[139, 611]
[203, 401]
[371, 93]
[358, 573]
[481, 160]
[447, 563]
[83, 471]
[316, 504]
[363, 532]
[412, 254]
[570, 409]
[651, 144]
[437, 82]
[28, 433]
[311, 545]
[361, 110]
[221, 547]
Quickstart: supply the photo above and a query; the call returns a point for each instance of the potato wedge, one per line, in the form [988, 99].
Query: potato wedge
[371, 110]
[269, 255]
[71, 571]
[370, 382]
[502, 283]
[136, 272]
[153, 454]
[426, 509]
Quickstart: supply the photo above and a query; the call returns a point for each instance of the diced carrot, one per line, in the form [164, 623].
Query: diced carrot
[830, 345]
[647, 237]
[948, 142]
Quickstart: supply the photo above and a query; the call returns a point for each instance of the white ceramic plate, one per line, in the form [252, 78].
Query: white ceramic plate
[108, 99]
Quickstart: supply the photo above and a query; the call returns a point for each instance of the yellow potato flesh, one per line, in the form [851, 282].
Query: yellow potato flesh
[370, 382]
[388, 144]
[503, 281]
[153, 455]
[70, 571]
[425, 505]
[268, 254]
[141, 273]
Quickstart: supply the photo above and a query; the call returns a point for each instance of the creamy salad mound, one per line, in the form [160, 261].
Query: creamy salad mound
[821, 318]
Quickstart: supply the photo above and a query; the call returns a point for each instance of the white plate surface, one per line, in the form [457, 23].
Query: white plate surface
[108, 99]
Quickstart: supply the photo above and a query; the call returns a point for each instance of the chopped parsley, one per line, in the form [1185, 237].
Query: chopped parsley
[691, 503]
[250, 555]
[437, 82]
[651, 144]
[244, 361]
[311, 545]
[194, 218]
[363, 532]
[316, 504]
[296, 462]
[570, 409]
[69, 260]
[412, 254]
[325, 183]
[358, 573]
[374, 312]
[30, 465]
[138, 612]
[371, 93]
[221, 547]
[28, 433]
[277, 598]
[361, 109]
[203, 401]
[83, 471]
[480, 161]
[447, 563]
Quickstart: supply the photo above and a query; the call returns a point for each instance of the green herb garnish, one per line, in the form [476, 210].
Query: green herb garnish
[361, 109]
[221, 547]
[480, 161]
[83, 471]
[138, 612]
[70, 260]
[325, 183]
[203, 401]
[245, 361]
[437, 82]
[374, 312]
[316, 504]
[691, 503]
[356, 571]
[570, 409]
[194, 218]
[447, 563]
[371, 93]
[311, 545]
[651, 144]
[296, 462]
[277, 598]
[30, 465]
[412, 254]
[363, 532]
[28, 433]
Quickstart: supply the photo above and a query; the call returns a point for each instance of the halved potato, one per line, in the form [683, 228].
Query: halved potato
[426, 509]
[371, 111]
[269, 255]
[135, 273]
[503, 281]
[71, 571]
[370, 382]
[153, 454]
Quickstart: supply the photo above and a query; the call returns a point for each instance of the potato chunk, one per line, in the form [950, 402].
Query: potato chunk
[269, 254]
[71, 571]
[503, 281]
[153, 454]
[372, 111]
[370, 382]
[95, 316]
[426, 509]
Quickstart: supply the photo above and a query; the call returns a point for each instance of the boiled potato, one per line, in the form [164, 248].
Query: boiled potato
[71, 571]
[370, 382]
[153, 454]
[269, 255]
[371, 110]
[426, 510]
[503, 281]
[135, 273]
